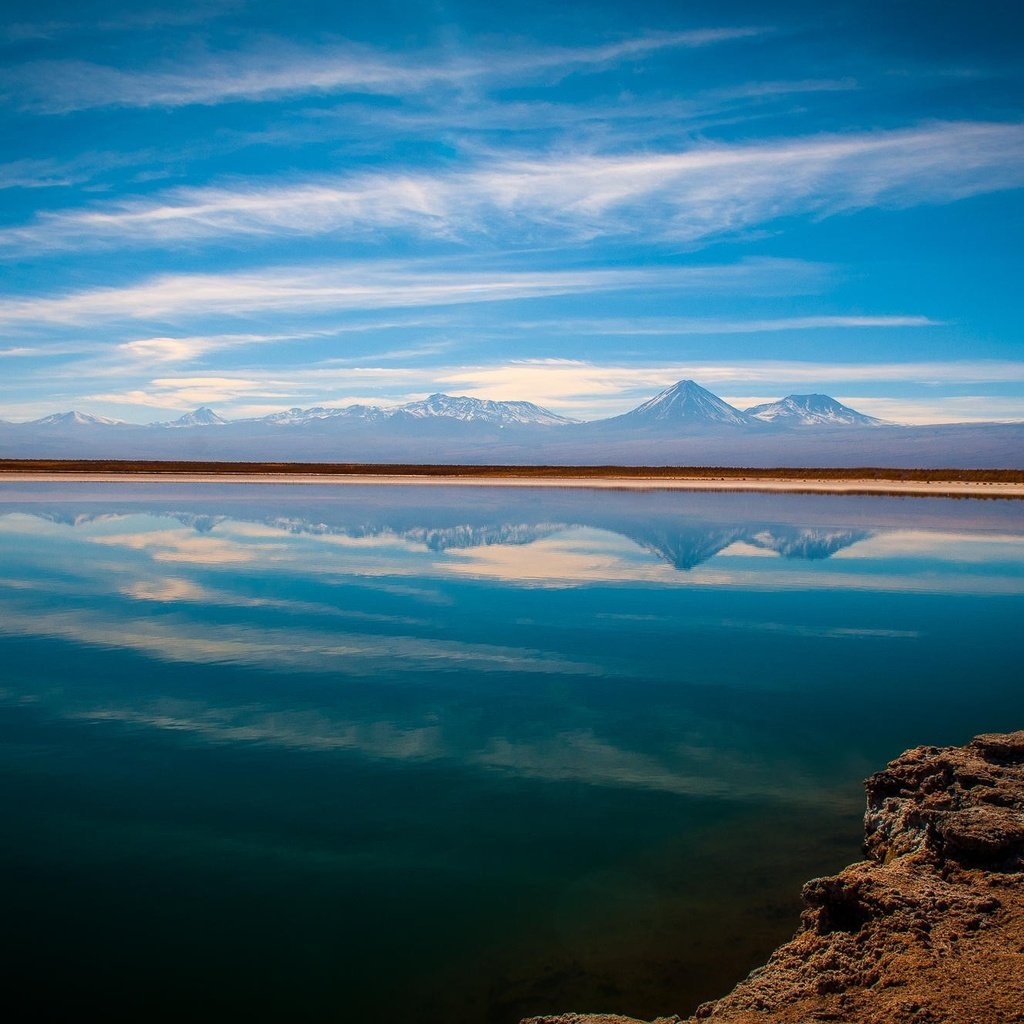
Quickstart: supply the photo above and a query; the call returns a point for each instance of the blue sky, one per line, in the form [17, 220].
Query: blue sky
[257, 205]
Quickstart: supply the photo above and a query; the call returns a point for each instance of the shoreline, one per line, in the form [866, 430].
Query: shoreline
[656, 481]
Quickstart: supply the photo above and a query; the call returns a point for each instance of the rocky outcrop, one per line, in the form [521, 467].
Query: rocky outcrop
[929, 930]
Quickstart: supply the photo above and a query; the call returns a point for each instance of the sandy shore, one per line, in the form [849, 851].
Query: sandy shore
[809, 485]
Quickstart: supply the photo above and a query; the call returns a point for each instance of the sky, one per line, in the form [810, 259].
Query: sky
[255, 205]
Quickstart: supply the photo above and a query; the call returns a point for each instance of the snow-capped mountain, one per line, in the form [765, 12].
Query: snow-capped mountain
[203, 417]
[811, 411]
[685, 402]
[319, 413]
[480, 410]
[437, 406]
[74, 418]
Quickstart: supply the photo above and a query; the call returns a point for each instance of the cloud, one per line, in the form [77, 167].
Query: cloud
[786, 576]
[103, 358]
[624, 121]
[183, 349]
[175, 350]
[573, 556]
[673, 326]
[950, 409]
[143, 19]
[686, 195]
[278, 70]
[34, 173]
[369, 286]
[187, 349]
[331, 652]
[478, 125]
[173, 590]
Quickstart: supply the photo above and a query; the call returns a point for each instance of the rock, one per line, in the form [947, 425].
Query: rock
[929, 929]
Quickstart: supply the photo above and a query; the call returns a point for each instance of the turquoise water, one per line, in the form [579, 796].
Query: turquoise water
[460, 755]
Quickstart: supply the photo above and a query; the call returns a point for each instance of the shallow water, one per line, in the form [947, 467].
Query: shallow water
[440, 755]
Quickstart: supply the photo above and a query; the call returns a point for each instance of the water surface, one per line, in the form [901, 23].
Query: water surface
[452, 755]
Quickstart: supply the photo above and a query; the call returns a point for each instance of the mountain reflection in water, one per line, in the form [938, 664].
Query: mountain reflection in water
[683, 547]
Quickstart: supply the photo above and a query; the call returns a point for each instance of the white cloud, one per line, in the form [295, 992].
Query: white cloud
[172, 297]
[685, 195]
[142, 19]
[258, 392]
[176, 350]
[278, 69]
[672, 326]
[369, 286]
[950, 409]
[475, 119]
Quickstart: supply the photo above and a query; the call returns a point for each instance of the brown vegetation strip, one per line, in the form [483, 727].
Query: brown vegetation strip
[131, 467]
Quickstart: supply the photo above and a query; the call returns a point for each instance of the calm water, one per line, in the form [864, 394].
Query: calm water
[451, 755]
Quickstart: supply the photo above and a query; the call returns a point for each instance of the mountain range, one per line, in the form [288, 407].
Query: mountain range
[684, 424]
[685, 403]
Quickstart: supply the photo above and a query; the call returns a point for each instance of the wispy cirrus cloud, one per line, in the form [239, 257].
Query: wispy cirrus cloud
[134, 20]
[370, 286]
[280, 69]
[614, 122]
[49, 172]
[177, 297]
[950, 409]
[686, 196]
[675, 326]
[177, 349]
[469, 118]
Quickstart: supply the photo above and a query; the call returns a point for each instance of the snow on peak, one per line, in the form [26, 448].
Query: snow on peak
[202, 417]
[686, 402]
[74, 418]
[811, 410]
[482, 410]
[298, 417]
[436, 406]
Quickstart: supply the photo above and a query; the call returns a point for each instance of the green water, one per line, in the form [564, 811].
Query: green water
[460, 755]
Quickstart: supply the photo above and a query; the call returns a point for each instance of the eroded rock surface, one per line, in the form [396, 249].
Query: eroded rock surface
[929, 930]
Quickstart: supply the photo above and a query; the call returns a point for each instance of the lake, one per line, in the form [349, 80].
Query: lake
[459, 755]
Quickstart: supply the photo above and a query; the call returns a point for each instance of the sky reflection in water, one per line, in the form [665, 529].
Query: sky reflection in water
[463, 754]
